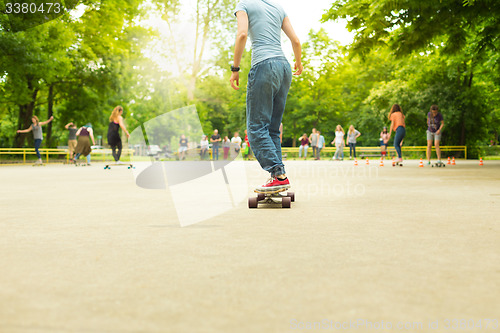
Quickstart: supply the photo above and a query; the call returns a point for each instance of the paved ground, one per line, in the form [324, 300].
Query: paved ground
[362, 249]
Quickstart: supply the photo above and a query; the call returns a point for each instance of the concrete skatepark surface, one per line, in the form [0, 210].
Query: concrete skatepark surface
[86, 250]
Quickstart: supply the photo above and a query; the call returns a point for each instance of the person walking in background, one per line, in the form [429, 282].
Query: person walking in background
[304, 145]
[183, 147]
[226, 145]
[114, 140]
[236, 142]
[339, 143]
[384, 141]
[71, 127]
[321, 144]
[247, 148]
[269, 80]
[215, 140]
[36, 127]
[313, 139]
[352, 135]
[84, 134]
[203, 147]
[435, 123]
[398, 125]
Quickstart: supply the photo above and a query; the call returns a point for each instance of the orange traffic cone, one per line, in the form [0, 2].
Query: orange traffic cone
[449, 161]
[355, 162]
[453, 161]
[481, 161]
[421, 164]
[367, 161]
[381, 162]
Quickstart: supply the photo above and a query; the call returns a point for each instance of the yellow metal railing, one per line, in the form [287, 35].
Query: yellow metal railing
[376, 150]
[47, 152]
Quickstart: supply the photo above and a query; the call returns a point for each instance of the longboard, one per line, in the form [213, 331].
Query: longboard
[438, 165]
[397, 163]
[129, 166]
[277, 197]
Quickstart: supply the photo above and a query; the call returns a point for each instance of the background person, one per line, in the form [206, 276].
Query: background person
[215, 140]
[226, 145]
[236, 142]
[183, 147]
[84, 134]
[36, 127]
[435, 123]
[398, 124]
[321, 144]
[352, 135]
[339, 143]
[304, 145]
[313, 139]
[71, 127]
[384, 141]
[114, 140]
[203, 147]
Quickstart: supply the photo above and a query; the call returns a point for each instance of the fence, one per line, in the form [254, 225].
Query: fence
[55, 154]
[105, 154]
[375, 151]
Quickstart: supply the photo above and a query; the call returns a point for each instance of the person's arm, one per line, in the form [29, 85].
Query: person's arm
[25, 130]
[239, 47]
[122, 125]
[358, 135]
[47, 121]
[78, 132]
[440, 127]
[68, 125]
[91, 133]
[297, 48]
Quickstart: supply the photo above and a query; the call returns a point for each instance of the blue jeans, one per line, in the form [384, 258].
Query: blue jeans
[38, 143]
[400, 135]
[215, 152]
[267, 90]
[352, 149]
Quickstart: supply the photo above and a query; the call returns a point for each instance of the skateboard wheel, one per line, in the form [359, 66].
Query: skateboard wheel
[286, 202]
[252, 202]
[291, 195]
[260, 196]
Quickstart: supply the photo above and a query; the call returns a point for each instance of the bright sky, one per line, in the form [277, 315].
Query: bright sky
[305, 15]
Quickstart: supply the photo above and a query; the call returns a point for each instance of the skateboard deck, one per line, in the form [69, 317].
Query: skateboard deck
[128, 165]
[397, 163]
[38, 164]
[277, 198]
[438, 165]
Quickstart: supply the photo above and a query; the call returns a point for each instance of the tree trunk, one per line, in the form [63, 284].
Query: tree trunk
[50, 112]
[24, 119]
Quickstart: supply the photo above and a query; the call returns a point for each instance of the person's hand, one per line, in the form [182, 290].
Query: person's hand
[438, 132]
[235, 80]
[18, 131]
[298, 68]
[128, 135]
[51, 117]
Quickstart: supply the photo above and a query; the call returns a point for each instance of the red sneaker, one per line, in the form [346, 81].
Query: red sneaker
[274, 184]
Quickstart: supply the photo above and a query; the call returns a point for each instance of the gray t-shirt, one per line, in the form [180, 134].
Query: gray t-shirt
[265, 19]
[37, 132]
[352, 136]
[72, 133]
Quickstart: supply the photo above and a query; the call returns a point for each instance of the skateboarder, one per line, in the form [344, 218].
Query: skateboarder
[435, 125]
[36, 127]
[114, 139]
[398, 125]
[269, 80]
